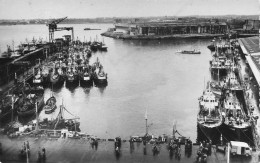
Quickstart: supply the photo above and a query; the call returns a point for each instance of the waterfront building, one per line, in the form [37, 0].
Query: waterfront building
[251, 49]
[172, 27]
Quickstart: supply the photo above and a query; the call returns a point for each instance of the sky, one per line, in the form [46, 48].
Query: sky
[31, 9]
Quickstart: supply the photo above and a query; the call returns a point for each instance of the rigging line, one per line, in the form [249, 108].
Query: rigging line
[69, 112]
[204, 133]
[248, 137]
[209, 139]
[222, 134]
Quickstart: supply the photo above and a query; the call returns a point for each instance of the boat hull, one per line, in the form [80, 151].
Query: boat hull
[49, 110]
[206, 133]
[240, 134]
[86, 81]
[56, 80]
[50, 105]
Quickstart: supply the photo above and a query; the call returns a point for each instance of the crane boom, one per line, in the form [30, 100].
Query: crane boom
[53, 27]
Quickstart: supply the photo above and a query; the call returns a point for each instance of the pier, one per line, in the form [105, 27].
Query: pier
[251, 50]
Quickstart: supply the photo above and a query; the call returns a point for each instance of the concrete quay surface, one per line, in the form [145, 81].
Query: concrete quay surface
[80, 151]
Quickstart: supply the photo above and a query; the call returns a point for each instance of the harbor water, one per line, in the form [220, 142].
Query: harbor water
[142, 75]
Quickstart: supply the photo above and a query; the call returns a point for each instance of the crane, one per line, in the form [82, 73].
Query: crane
[53, 27]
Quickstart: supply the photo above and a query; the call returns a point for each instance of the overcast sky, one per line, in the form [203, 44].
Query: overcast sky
[28, 9]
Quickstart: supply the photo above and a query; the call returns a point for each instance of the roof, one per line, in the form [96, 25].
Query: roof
[238, 143]
[173, 23]
[254, 63]
[250, 44]
[251, 47]
[156, 24]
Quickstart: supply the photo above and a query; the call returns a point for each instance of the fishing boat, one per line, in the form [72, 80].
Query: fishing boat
[220, 64]
[209, 115]
[102, 46]
[94, 46]
[234, 114]
[232, 83]
[28, 107]
[72, 76]
[29, 47]
[85, 76]
[45, 74]
[56, 78]
[50, 105]
[9, 55]
[38, 78]
[100, 77]
[189, 51]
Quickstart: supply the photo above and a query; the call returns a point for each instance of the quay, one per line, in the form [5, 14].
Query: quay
[80, 150]
[250, 72]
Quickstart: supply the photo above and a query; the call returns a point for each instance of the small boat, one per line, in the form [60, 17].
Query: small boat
[28, 107]
[209, 115]
[189, 51]
[50, 105]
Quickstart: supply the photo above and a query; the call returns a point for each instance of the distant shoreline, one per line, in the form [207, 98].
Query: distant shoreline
[59, 23]
[109, 20]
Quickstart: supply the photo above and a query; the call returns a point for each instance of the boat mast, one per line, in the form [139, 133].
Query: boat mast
[146, 127]
[12, 108]
[174, 129]
[37, 120]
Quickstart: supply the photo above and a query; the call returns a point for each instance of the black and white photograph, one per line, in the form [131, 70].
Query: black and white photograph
[129, 81]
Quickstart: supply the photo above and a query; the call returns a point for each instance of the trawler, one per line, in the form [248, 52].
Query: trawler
[209, 115]
[38, 77]
[234, 114]
[231, 82]
[85, 76]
